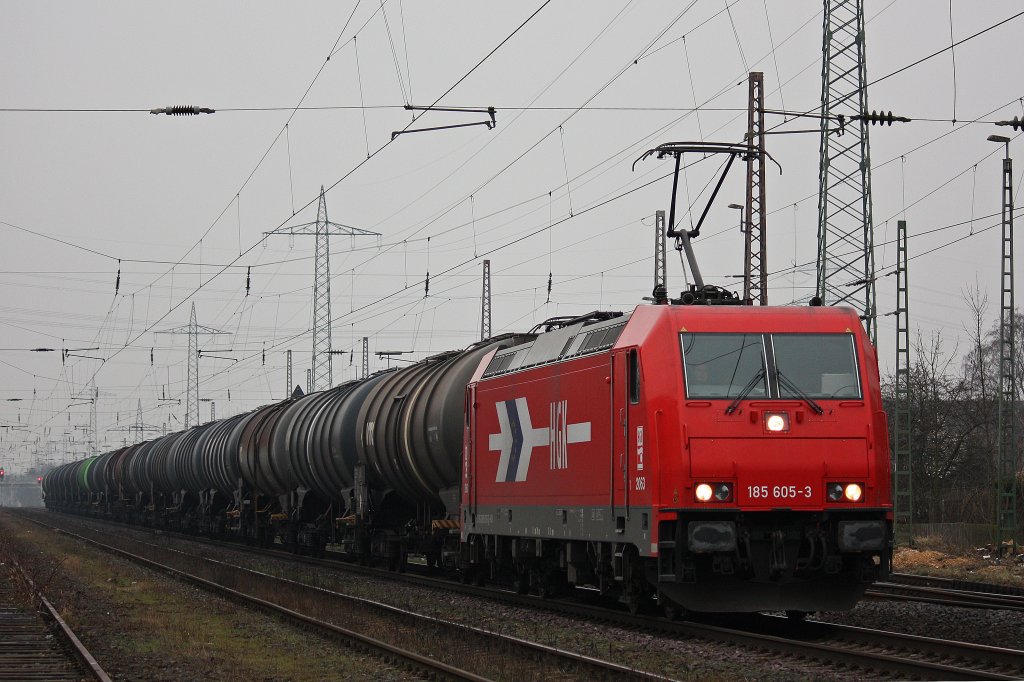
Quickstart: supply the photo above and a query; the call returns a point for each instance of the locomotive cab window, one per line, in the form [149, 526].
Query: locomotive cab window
[723, 365]
[799, 366]
[822, 366]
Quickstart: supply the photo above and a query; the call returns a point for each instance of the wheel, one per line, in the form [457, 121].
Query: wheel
[521, 584]
[673, 611]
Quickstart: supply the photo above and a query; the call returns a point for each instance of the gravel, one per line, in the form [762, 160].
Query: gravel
[993, 627]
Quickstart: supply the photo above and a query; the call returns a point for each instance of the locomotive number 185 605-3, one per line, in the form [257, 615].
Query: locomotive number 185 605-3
[781, 492]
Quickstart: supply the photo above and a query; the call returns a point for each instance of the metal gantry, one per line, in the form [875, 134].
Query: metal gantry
[485, 303]
[1006, 492]
[321, 374]
[846, 261]
[755, 260]
[902, 443]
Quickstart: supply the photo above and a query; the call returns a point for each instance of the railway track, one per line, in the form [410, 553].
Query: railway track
[948, 592]
[428, 645]
[39, 645]
[829, 644]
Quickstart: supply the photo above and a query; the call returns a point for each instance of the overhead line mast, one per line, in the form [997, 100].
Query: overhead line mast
[755, 260]
[903, 498]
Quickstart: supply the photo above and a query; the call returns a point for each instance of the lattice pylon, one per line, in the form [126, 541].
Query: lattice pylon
[321, 375]
[755, 266]
[846, 261]
[192, 397]
[485, 303]
[660, 252]
[192, 390]
[1006, 491]
[366, 356]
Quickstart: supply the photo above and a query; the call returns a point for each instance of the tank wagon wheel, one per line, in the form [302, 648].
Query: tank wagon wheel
[672, 610]
[521, 582]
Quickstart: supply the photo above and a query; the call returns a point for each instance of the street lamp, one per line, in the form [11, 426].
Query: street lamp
[739, 208]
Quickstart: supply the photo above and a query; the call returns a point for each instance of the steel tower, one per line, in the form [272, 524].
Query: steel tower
[192, 394]
[321, 376]
[846, 262]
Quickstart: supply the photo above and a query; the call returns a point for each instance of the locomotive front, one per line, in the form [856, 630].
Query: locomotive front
[781, 497]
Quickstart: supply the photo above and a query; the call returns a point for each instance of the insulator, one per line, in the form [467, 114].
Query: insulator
[183, 110]
[882, 118]
[248, 272]
[1015, 123]
[426, 290]
[117, 282]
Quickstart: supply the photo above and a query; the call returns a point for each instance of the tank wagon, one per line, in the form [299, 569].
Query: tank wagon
[707, 457]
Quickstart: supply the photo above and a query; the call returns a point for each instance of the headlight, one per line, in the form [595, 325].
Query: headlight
[844, 492]
[776, 422]
[713, 492]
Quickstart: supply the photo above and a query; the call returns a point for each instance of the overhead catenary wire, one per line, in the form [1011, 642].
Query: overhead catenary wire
[347, 174]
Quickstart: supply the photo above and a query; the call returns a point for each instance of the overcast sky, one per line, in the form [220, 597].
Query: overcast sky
[88, 177]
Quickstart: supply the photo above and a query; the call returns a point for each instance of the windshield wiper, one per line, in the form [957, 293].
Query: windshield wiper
[745, 391]
[790, 386]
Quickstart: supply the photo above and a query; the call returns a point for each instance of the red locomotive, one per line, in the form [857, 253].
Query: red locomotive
[714, 457]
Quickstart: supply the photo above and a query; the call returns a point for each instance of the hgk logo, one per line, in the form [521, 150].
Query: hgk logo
[517, 438]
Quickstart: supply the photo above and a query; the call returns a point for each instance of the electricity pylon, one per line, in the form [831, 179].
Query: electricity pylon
[192, 395]
[846, 261]
[321, 375]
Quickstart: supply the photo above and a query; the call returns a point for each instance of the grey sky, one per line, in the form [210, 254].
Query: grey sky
[130, 185]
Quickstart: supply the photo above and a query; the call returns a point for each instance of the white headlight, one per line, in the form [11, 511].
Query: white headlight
[853, 492]
[776, 422]
[703, 492]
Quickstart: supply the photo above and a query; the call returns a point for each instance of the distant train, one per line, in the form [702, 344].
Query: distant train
[704, 457]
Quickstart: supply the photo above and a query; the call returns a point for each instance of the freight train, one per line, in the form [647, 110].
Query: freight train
[703, 457]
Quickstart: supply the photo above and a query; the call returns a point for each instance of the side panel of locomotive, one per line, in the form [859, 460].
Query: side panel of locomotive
[552, 448]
